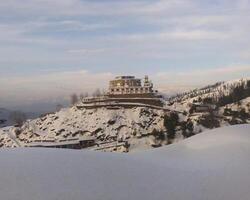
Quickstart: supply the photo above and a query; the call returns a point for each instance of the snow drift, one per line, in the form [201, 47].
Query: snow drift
[214, 165]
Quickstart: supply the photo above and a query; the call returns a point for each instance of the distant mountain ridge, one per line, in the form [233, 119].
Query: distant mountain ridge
[7, 117]
[4, 117]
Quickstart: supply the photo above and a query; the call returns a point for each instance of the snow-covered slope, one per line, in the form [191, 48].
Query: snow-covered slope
[142, 127]
[213, 165]
[224, 103]
[214, 91]
[105, 125]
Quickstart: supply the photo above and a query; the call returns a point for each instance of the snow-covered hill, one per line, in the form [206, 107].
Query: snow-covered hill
[135, 125]
[140, 127]
[213, 165]
[217, 105]
[214, 91]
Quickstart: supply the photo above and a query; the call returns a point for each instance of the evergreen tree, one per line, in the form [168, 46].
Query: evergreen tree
[170, 122]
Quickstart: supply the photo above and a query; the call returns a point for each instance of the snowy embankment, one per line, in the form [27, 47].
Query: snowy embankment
[213, 165]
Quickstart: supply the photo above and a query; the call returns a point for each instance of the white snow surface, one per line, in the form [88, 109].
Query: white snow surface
[213, 165]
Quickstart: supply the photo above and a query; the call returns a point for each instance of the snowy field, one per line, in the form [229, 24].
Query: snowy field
[213, 165]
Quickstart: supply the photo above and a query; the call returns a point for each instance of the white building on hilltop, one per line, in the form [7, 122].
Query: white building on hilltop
[126, 91]
[127, 85]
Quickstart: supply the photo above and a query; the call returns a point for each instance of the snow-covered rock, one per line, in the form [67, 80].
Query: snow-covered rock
[213, 165]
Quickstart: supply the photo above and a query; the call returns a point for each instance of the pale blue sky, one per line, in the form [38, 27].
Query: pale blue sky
[181, 44]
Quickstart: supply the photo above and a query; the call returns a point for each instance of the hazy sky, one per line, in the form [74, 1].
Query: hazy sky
[51, 48]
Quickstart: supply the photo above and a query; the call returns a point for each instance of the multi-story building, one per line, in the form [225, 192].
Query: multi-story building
[129, 85]
[126, 91]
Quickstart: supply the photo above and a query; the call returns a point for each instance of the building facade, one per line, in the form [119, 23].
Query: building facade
[127, 92]
[126, 85]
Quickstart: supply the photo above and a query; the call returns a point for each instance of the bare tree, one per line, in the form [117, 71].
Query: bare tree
[18, 117]
[97, 93]
[84, 95]
[103, 91]
[59, 107]
[81, 96]
[73, 99]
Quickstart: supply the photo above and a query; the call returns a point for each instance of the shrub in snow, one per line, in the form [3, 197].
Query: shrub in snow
[187, 128]
[170, 123]
[209, 121]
